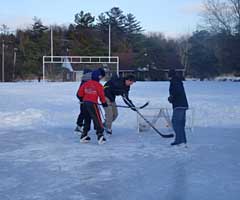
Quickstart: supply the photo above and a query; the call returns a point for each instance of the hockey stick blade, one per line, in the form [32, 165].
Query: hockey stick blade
[143, 106]
[153, 127]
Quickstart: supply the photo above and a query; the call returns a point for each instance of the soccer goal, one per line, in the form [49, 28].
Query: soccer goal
[161, 119]
[70, 68]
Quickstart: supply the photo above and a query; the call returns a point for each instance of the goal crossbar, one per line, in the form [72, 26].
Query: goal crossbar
[80, 60]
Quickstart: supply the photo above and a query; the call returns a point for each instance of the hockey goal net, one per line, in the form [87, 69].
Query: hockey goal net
[160, 118]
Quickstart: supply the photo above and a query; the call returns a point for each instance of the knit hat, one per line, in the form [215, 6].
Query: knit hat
[98, 74]
[102, 71]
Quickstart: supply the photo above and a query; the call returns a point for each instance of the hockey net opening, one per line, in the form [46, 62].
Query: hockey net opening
[160, 118]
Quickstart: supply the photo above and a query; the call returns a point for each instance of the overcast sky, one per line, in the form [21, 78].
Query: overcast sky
[172, 17]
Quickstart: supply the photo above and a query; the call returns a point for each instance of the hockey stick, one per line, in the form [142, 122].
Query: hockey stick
[140, 107]
[101, 112]
[122, 106]
[154, 128]
[150, 124]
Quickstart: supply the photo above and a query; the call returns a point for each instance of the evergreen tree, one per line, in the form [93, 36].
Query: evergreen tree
[84, 20]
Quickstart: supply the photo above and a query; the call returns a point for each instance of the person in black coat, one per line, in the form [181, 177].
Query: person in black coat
[116, 87]
[177, 97]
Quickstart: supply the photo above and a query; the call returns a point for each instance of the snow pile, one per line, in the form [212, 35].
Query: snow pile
[27, 118]
[228, 78]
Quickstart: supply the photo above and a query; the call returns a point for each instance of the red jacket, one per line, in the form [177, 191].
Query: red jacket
[91, 90]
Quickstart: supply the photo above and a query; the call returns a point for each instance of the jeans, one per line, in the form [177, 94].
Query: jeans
[178, 122]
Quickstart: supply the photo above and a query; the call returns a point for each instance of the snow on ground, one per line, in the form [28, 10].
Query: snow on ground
[41, 157]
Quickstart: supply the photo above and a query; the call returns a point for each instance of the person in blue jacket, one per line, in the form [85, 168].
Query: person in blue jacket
[177, 97]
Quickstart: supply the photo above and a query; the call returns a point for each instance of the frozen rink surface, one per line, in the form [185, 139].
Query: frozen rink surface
[41, 157]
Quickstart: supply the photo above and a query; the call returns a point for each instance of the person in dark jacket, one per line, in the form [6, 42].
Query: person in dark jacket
[116, 87]
[87, 75]
[89, 93]
[177, 97]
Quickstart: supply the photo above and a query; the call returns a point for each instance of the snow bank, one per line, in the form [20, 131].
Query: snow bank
[27, 118]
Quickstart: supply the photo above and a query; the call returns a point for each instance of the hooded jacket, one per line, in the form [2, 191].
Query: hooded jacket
[177, 93]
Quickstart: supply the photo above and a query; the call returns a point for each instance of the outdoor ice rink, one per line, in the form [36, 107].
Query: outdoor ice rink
[41, 157]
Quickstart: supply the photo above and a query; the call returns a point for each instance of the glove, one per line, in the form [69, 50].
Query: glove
[105, 105]
[170, 99]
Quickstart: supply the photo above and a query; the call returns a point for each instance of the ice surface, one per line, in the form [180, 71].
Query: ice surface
[41, 157]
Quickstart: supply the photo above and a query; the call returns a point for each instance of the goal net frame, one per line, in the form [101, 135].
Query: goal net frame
[79, 60]
[161, 118]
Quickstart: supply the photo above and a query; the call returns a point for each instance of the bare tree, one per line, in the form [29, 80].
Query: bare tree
[222, 16]
[4, 29]
[236, 14]
[183, 50]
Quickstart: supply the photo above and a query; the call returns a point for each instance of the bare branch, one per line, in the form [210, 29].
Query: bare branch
[217, 16]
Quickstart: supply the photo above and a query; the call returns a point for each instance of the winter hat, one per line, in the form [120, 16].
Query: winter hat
[96, 75]
[102, 71]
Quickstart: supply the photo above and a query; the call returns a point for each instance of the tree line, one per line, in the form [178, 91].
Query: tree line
[210, 51]
[215, 48]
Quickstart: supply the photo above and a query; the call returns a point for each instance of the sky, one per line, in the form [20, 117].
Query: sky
[171, 17]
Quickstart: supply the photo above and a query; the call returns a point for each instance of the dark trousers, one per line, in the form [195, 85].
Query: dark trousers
[80, 116]
[91, 112]
[178, 122]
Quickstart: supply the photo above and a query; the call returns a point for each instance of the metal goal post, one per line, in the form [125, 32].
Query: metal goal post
[101, 60]
[161, 119]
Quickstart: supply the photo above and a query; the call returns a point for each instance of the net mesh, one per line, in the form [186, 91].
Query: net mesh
[161, 119]
[74, 71]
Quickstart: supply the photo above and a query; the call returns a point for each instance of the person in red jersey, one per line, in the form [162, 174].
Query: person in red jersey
[89, 93]
[87, 75]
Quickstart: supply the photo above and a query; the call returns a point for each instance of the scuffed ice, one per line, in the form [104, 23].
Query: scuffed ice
[41, 157]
